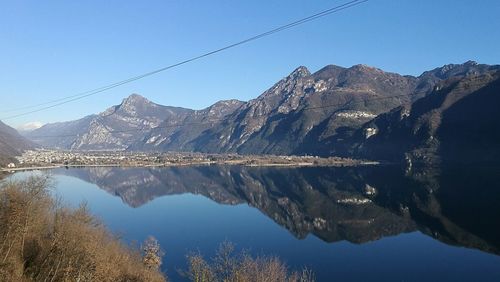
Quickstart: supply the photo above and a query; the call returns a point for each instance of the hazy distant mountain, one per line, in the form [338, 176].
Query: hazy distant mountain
[11, 144]
[303, 113]
[457, 122]
[29, 126]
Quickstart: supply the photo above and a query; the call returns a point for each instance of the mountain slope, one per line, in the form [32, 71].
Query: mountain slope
[457, 122]
[11, 144]
[322, 141]
[173, 135]
[60, 134]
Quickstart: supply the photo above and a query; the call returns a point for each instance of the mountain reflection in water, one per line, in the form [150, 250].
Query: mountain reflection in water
[458, 206]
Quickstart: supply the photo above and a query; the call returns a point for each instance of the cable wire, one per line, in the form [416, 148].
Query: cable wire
[72, 98]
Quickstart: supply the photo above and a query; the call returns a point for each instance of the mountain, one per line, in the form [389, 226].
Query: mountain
[321, 142]
[11, 144]
[282, 118]
[322, 113]
[457, 122]
[308, 113]
[136, 123]
[114, 129]
[429, 79]
[169, 136]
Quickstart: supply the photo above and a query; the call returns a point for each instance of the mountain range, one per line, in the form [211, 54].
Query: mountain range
[359, 111]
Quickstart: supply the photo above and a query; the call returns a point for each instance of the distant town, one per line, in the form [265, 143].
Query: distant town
[43, 158]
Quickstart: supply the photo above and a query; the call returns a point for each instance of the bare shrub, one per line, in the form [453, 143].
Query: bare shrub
[152, 253]
[199, 269]
[231, 267]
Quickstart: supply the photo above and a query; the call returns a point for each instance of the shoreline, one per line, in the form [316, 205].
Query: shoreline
[166, 165]
[49, 159]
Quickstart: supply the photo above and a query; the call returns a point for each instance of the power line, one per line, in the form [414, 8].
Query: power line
[68, 99]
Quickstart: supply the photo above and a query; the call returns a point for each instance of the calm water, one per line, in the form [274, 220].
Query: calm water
[347, 224]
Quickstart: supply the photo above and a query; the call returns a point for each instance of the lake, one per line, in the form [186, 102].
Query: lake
[373, 223]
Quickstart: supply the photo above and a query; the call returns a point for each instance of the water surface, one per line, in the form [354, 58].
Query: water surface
[347, 224]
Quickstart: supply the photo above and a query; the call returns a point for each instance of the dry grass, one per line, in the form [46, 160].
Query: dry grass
[42, 241]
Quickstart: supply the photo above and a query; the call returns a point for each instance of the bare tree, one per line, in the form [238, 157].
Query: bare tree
[152, 253]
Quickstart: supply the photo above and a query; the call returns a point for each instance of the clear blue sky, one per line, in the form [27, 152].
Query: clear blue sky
[51, 49]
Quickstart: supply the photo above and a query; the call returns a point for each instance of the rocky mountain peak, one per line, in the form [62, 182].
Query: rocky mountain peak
[299, 73]
[135, 99]
[134, 103]
[467, 68]
[471, 63]
[228, 103]
[365, 68]
[224, 107]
